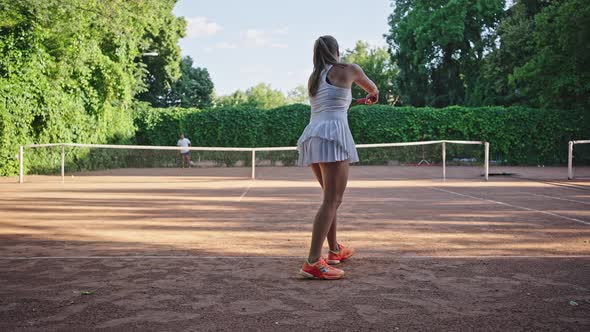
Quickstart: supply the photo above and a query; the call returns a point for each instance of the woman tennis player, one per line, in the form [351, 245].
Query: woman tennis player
[327, 146]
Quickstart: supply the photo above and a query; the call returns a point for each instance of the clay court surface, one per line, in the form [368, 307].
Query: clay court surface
[208, 250]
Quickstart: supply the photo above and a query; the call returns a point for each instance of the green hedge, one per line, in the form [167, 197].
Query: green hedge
[517, 135]
[226, 126]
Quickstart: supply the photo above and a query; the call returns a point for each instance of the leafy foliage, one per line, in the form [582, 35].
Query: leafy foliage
[558, 75]
[298, 95]
[473, 52]
[377, 64]
[517, 135]
[162, 70]
[193, 89]
[439, 46]
[261, 96]
[69, 70]
[516, 47]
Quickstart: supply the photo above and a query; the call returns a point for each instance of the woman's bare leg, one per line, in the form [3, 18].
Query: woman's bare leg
[334, 178]
[332, 242]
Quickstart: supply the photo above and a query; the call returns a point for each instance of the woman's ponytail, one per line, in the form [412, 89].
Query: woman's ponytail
[325, 51]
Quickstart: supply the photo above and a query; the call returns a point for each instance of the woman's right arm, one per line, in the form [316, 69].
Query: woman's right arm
[364, 82]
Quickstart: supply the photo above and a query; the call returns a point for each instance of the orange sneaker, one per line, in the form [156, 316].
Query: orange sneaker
[340, 256]
[320, 270]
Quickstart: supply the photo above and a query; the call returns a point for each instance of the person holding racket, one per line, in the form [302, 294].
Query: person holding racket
[327, 147]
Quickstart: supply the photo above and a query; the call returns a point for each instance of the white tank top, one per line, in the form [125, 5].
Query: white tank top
[330, 98]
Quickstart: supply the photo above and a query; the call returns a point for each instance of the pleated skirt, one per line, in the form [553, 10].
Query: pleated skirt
[321, 150]
[327, 138]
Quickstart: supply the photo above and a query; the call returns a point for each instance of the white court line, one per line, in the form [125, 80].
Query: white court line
[514, 206]
[289, 257]
[559, 198]
[246, 191]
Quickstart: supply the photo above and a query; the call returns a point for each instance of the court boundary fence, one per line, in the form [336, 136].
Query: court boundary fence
[251, 150]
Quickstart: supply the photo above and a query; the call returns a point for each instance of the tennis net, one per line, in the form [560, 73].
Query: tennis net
[428, 160]
[409, 160]
[46, 162]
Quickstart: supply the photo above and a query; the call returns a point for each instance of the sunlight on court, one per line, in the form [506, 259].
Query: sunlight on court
[120, 215]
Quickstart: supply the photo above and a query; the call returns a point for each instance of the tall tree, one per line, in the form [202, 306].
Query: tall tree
[514, 48]
[378, 66]
[193, 89]
[558, 75]
[69, 70]
[439, 45]
[161, 61]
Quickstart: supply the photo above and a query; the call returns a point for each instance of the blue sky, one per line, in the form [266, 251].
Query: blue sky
[243, 43]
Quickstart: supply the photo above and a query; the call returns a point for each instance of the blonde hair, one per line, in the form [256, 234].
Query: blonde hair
[325, 52]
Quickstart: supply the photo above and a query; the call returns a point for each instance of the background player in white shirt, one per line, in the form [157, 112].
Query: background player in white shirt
[185, 153]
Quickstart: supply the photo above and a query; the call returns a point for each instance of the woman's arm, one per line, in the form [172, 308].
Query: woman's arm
[364, 82]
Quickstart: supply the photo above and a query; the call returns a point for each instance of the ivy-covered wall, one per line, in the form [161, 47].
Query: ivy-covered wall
[517, 135]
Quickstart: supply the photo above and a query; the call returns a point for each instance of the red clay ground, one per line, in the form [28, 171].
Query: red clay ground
[177, 252]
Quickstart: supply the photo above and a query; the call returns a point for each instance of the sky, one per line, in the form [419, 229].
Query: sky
[243, 43]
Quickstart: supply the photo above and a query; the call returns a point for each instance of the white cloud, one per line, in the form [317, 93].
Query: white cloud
[226, 45]
[201, 27]
[261, 38]
[255, 37]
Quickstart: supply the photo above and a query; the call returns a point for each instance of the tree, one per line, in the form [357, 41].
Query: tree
[378, 66]
[298, 95]
[515, 47]
[163, 69]
[264, 97]
[235, 99]
[439, 46]
[557, 75]
[193, 89]
[261, 96]
[69, 70]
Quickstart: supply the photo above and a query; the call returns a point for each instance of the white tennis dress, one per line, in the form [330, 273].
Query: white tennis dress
[327, 137]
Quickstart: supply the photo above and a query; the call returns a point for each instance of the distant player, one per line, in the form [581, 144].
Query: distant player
[185, 153]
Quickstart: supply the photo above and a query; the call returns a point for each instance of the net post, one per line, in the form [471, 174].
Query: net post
[444, 160]
[486, 160]
[253, 164]
[63, 163]
[570, 158]
[21, 160]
